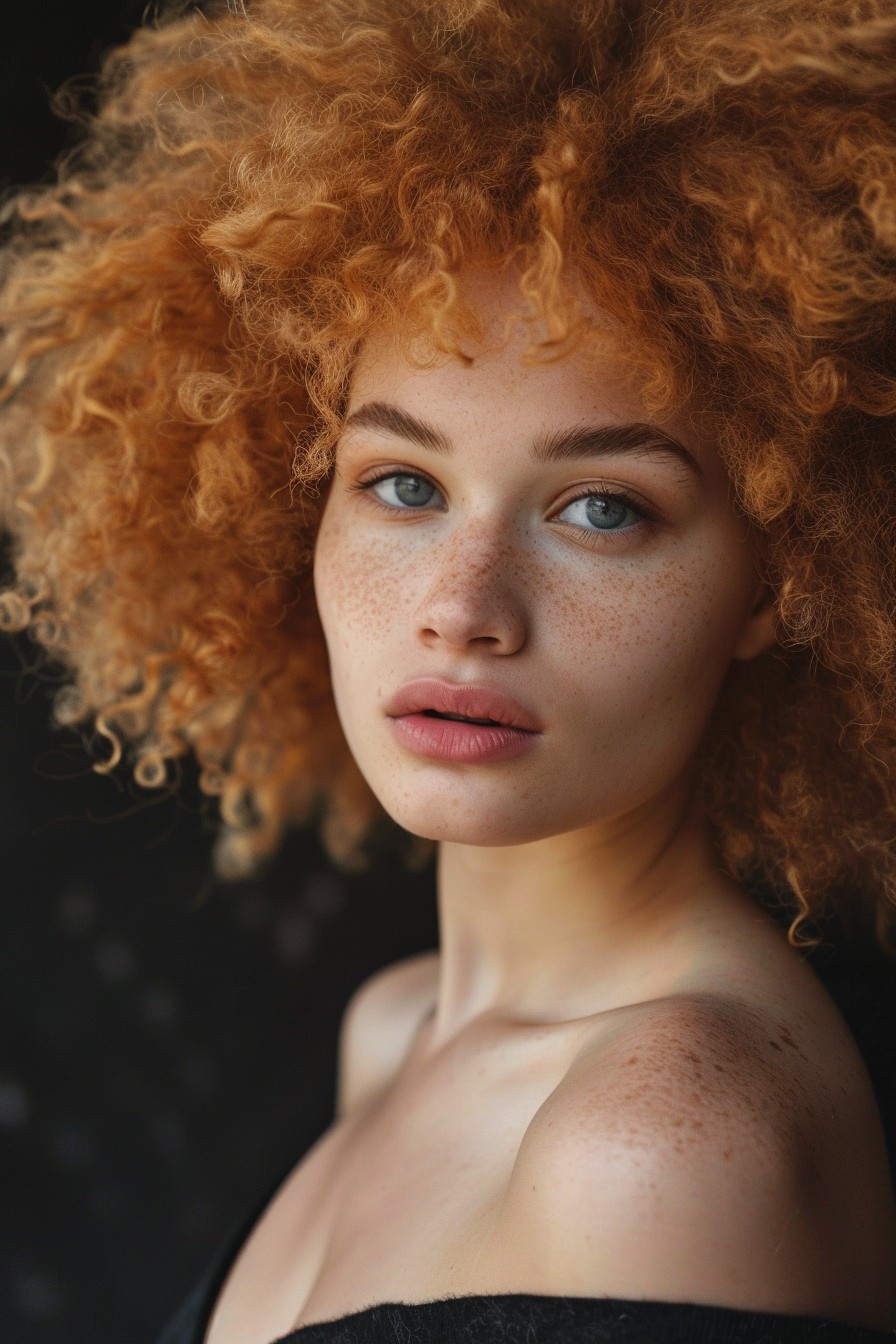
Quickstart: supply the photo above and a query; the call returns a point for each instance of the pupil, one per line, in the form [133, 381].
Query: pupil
[412, 489]
[605, 513]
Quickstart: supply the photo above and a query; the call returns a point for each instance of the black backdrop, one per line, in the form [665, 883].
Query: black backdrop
[167, 1044]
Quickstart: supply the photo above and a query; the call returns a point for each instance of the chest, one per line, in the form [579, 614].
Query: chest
[399, 1202]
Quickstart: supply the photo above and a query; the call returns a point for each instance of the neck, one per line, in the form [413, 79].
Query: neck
[578, 923]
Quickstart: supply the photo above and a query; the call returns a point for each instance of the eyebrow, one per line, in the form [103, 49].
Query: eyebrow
[560, 446]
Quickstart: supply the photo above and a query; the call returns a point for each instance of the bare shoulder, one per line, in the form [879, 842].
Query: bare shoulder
[378, 1025]
[706, 1149]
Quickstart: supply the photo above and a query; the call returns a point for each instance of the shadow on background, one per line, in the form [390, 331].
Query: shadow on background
[169, 1043]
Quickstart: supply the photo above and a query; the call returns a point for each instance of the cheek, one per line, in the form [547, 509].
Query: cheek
[356, 585]
[652, 647]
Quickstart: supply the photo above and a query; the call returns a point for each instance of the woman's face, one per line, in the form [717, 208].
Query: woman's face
[497, 525]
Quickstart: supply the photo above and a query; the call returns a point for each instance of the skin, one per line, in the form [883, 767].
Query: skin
[560, 866]
[615, 1078]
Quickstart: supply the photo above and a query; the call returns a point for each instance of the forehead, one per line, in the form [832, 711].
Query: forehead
[503, 350]
[501, 387]
[502, 376]
[406, 365]
[491, 326]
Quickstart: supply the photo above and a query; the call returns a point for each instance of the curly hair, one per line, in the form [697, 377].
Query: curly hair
[262, 183]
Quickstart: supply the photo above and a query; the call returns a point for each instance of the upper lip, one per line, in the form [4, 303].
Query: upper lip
[475, 700]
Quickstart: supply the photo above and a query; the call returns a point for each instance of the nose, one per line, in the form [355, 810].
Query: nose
[473, 593]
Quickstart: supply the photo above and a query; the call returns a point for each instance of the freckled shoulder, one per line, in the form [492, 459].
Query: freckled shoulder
[693, 1154]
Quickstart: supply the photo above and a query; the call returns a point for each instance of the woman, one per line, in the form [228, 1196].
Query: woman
[480, 415]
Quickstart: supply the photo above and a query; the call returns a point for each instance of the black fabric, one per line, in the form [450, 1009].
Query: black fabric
[522, 1318]
[518, 1318]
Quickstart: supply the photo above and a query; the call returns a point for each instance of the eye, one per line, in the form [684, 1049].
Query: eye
[608, 511]
[400, 490]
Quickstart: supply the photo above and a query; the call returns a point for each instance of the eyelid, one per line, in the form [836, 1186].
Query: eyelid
[357, 487]
[633, 498]
[387, 473]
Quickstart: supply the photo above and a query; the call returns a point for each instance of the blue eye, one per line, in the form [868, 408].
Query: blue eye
[407, 490]
[603, 513]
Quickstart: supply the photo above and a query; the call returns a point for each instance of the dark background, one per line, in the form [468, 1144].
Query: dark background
[168, 1043]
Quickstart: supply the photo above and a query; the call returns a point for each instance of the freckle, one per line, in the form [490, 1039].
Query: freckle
[633, 1060]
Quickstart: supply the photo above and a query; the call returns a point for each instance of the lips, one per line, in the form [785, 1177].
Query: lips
[473, 701]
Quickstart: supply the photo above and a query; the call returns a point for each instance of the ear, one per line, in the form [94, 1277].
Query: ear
[758, 631]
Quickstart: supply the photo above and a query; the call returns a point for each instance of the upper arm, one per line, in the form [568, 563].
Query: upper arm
[378, 1025]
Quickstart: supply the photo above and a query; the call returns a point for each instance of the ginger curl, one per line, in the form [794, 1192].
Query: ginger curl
[263, 182]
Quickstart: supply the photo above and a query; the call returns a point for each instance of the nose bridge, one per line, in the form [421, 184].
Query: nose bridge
[483, 543]
[475, 586]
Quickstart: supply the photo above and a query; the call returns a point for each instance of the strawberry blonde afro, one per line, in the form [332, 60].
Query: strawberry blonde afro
[263, 182]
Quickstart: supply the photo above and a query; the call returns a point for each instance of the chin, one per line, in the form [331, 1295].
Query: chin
[471, 820]
[484, 836]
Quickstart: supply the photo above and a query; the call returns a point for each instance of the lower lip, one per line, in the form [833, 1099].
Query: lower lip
[450, 740]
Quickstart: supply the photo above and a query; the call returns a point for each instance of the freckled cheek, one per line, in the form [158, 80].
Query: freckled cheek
[357, 583]
[639, 643]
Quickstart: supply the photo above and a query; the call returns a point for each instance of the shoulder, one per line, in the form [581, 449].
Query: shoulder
[676, 1082]
[695, 1154]
[378, 1025]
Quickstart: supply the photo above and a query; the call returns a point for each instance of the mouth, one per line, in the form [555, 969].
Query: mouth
[462, 739]
[479, 704]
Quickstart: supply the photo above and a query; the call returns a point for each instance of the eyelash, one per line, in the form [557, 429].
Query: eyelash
[645, 516]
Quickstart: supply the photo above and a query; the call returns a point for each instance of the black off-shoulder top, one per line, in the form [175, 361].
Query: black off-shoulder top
[518, 1318]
